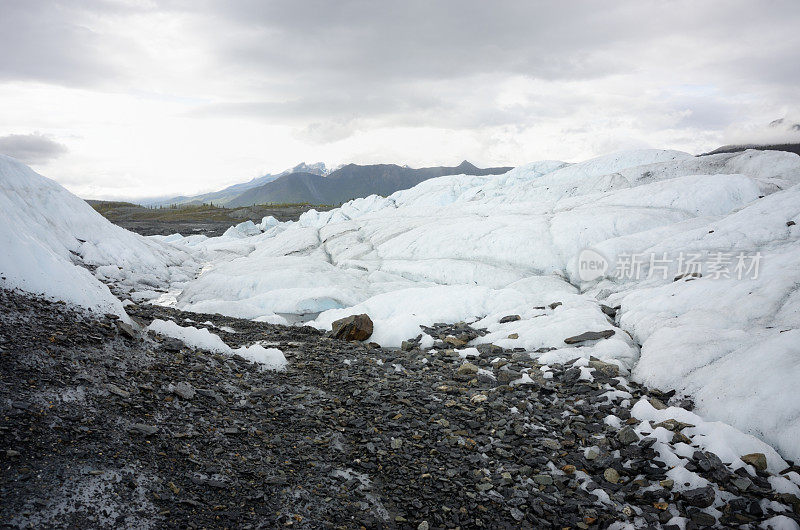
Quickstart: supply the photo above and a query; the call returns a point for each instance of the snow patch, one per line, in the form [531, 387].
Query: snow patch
[201, 338]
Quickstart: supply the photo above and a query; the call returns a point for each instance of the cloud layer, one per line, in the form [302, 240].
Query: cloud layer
[183, 95]
[31, 148]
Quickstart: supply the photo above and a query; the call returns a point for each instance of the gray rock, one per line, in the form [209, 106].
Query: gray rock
[114, 389]
[183, 390]
[489, 349]
[707, 461]
[673, 425]
[627, 436]
[509, 318]
[506, 376]
[589, 335]
[125, 329]
[742, 483]
[210, 393]
[550, 443]
[702, 518]
[141, 428]
[544, 480]
[700, 497]
[647, 441]
[610, 369]
[486, 379]
[610, 312]
[172, 344]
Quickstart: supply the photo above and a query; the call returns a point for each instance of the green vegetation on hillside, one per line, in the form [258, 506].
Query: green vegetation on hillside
[194, 212]
[208, 219]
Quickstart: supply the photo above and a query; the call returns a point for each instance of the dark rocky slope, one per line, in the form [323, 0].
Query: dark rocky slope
[102, 427]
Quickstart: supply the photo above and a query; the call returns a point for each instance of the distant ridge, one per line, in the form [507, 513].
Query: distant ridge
[349, 182]
[785, 128]
[792, 148]
[222, 196]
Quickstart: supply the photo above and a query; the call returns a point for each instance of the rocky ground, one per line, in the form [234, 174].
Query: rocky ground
[103, 426]
[193, 219]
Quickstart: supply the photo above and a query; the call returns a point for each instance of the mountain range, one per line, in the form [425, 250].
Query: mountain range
[316, 184]
[224, 195]
[349, 182]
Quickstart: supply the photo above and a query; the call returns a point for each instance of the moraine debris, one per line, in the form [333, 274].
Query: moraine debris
[208, 440]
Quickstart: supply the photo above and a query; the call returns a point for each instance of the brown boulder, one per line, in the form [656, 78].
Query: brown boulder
[354, 327]
[757, 460]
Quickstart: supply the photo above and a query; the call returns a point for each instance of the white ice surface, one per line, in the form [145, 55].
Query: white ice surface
[49, 235]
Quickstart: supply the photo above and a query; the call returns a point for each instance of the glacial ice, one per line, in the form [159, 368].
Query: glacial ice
[478, 248]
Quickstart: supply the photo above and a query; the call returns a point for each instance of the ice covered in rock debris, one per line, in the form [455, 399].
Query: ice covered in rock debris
[476, 248]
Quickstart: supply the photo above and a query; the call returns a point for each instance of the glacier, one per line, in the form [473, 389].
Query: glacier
[476, 249]
[51, 239]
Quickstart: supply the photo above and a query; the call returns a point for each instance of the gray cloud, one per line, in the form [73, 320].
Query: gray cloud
[425, 40]
[31, 148]
[495, 71]
[60, 41]
[780, 131]
[418, 39]
[439, 63]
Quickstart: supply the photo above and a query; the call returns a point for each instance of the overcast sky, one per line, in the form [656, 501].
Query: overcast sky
[134, 98]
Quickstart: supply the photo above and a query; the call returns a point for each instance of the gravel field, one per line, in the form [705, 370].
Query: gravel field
[107, 426]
